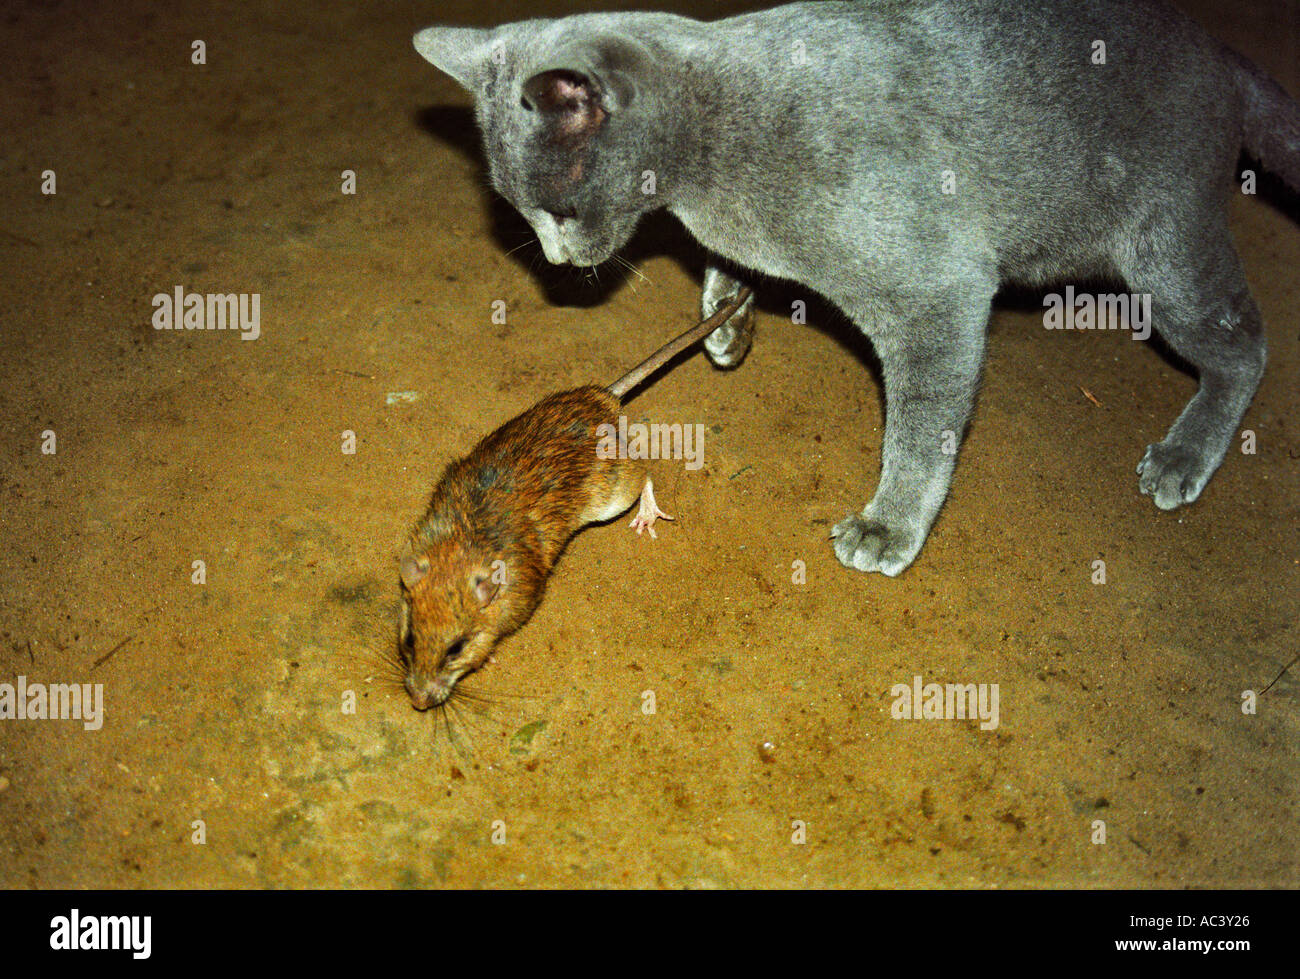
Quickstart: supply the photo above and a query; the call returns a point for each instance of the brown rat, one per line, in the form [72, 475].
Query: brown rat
[476, 565]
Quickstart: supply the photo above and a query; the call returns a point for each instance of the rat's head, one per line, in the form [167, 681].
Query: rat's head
[450, 603]
[569, 126]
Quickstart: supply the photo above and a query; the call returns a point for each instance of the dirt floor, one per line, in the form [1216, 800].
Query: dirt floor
[225, 701]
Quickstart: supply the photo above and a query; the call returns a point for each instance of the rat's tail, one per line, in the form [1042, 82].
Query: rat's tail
[674, 347]
[1271, 128]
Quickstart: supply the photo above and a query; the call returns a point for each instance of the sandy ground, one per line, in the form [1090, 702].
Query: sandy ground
[224, 701]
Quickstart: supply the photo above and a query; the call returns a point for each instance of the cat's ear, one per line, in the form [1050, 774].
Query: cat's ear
[585, 81]
[569, 100]
[464, 53]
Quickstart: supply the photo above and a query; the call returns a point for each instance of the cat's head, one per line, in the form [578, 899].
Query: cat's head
[568, 127]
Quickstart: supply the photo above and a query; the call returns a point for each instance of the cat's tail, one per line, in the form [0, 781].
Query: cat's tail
[1271, 126]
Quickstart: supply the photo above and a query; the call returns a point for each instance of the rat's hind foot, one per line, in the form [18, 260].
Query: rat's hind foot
[648, 512]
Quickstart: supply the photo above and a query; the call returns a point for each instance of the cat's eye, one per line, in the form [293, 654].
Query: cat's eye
[562, 214]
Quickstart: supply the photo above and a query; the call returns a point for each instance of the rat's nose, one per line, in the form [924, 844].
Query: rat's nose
[426, 693]
[421, 694]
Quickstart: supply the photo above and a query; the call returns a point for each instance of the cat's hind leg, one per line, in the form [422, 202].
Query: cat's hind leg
[1201, 306]
[728, 344]
[931, 360]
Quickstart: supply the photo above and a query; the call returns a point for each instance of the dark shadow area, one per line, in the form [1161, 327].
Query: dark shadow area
[1272, 191]
[1030, 299]
[453, 125]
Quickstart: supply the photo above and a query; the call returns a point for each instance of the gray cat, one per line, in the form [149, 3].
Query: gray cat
[903, 158]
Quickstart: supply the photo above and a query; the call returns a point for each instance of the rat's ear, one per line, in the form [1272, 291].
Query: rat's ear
[464, 53]
[487, 586]
[413, 568]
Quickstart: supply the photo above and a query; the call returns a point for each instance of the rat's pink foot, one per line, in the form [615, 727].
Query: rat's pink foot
[648, 512]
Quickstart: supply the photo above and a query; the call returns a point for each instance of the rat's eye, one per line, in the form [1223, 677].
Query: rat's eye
[454, 650]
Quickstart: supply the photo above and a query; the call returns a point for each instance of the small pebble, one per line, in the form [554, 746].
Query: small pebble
[767, 752]
[927, 804]
[4, 783]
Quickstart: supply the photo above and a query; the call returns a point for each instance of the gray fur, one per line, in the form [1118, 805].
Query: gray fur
[809, 142]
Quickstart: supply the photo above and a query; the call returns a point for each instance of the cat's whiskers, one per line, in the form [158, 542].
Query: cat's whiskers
[517, 247]
[633, 269]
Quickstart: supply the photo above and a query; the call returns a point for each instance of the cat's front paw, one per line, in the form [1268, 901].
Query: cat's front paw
[868, 545]
[1172, 474]
[728, 344]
